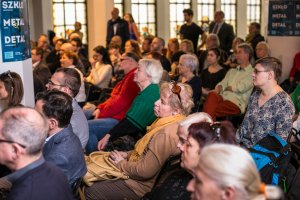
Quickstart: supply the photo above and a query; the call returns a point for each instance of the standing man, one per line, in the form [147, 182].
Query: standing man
[232, 94]
[223, 30]
[157, 45]
[68, 81]
[22, 134]
[117, 26]
[190, 30]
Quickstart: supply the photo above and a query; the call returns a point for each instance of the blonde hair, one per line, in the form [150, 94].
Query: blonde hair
[183, 105]
[194, 118]
[231, 166]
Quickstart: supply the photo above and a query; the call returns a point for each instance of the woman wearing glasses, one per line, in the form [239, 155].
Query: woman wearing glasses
[270, 109]
[11, 88]
[144, 163]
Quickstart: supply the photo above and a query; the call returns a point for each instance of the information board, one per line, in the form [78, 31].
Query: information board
[15, 41]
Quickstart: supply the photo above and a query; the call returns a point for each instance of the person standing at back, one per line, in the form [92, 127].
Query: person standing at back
[117, 26]
[223, 30]
[190, 30]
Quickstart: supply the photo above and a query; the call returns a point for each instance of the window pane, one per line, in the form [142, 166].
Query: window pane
[206, 10]
[80, 15]
[58, 18]
[253, 11]
[70, 13]
[229, 8]
[120, 5]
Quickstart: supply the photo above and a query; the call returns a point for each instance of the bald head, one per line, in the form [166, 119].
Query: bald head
[25, 126]
[66, 47]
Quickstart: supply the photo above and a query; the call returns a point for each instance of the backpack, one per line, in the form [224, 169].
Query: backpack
[272, 155]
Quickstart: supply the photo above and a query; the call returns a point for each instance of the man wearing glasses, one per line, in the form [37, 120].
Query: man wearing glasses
[22, 136]
[68, 81]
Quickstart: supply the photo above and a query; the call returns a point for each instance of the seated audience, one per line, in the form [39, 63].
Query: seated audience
[195, 132]
[12, 90]
[81, 52]
[62, 146]
[68, 80]
[232, 61]
[43, 43]
[158, 45]
[157, 56]
[53, 58]
[146, 45]
[133, 46]
[188, 64]
[186, 46]
[113, 110]
[101, 72]
[41, 72]
[117, 40]
[214, 74]
[173, 47]
[231, 95]
[144, 163]
[228, 172]
[262, 50]
[140, 115]
[254, 36]
[69, 60]
[174, 65]
[270, 109]
[23, 132]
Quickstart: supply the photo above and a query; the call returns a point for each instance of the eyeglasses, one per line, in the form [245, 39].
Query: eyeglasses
[176, 89]
[11, 142]
[258, 71]
[54, 84]
[216, 127]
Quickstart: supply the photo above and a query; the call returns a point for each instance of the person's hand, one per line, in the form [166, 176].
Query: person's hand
[218, 89]
[96, 113]
[103, 142]
[116, 156]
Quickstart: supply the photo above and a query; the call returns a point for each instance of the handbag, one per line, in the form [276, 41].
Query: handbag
[99, 168]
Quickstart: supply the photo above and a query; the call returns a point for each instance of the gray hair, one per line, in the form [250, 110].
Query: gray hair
[194, 118]
[153, 69]
[230, 165]
[190, 61]
[183, 105]
[247, 49]
[214, 37]
[266, 45]
[25, 126]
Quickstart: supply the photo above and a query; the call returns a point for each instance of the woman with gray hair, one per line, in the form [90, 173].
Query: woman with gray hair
[188, 68]
[228, 172]
[140, 114]
[144, 163]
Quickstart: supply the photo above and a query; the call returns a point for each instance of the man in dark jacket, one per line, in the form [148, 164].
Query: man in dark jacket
[117, 26]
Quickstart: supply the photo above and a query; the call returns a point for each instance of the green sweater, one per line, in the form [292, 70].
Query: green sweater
[296, 99]
[141, 112]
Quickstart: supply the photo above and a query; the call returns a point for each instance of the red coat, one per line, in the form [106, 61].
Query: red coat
[120, 99]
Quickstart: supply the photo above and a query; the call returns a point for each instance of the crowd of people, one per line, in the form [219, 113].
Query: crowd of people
[164, 104]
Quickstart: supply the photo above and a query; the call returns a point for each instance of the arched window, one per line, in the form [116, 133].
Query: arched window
[176, 15]
[66, 13]
[144, 14]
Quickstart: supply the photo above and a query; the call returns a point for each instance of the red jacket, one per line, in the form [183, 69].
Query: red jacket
[120, 99]
[296, 65]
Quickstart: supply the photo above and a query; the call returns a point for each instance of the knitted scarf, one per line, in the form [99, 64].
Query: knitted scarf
[158, 124]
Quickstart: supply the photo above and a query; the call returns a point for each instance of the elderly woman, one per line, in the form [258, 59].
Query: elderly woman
[101, 72]
[68, 60]
[195, 132]
[187, 67]
[228, 172]
[140, 114]
[144, 163]
[270, 109]
[262, 50]
[186, 46]
[11, 88]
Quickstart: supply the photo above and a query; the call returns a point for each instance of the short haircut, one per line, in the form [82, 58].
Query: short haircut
[188, 11]
[266, 45]
[71, 79]
[57, 105]
[149, 38]
[183, 105]
[25, 126]
[112, 46]
[153, 69]
[132, 55]
[271, 64]
[247, 49]
[190, 61]
[14, 87]
[161, 40]
[38, 51]
[256, 25]
[72, 55]
[78, 41]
